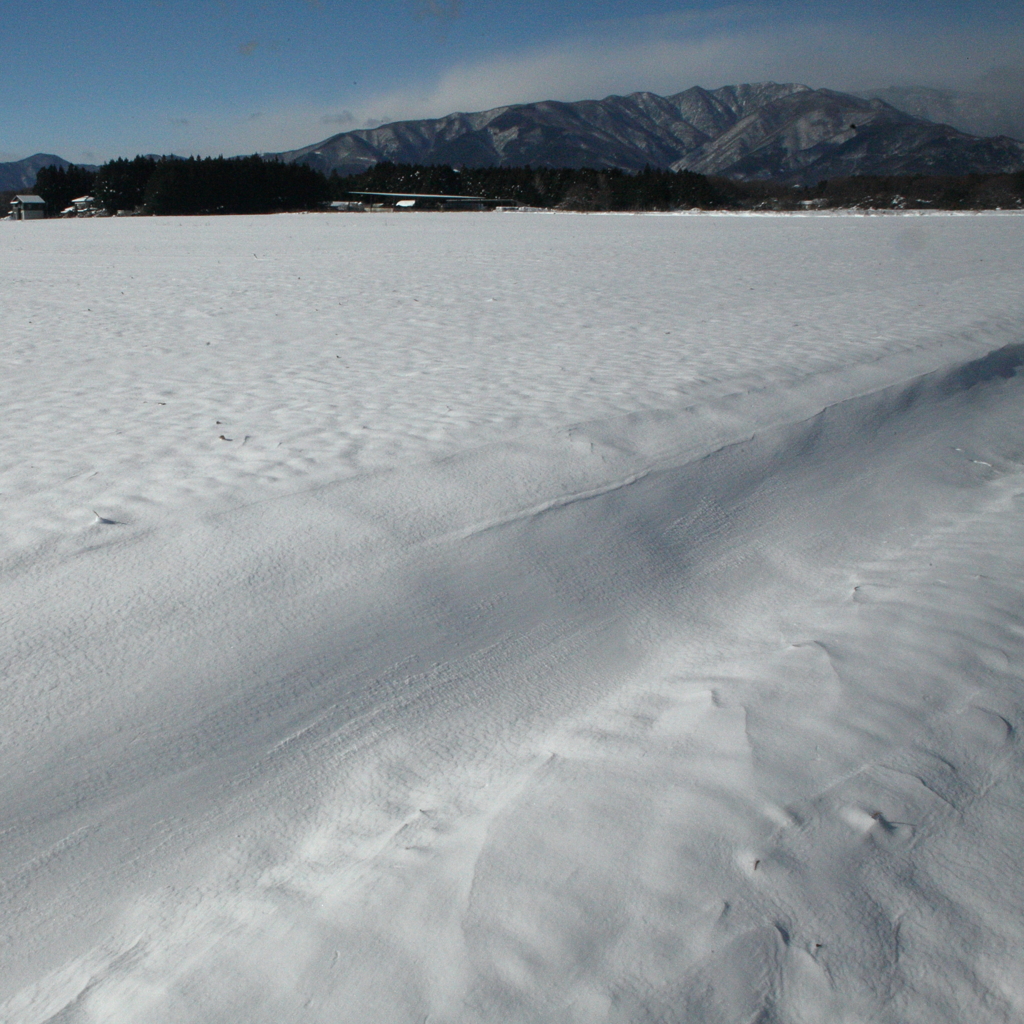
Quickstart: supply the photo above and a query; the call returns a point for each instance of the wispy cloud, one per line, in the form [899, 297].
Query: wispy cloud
[734, 43]
[343, 119]
[1007, 81]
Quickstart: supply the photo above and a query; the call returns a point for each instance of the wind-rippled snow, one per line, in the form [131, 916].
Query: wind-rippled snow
[163, 363]
[527, 618]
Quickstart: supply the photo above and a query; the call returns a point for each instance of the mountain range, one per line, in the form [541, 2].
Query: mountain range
[993, 105]
[788, 132]
[21, 174]
[765, 131]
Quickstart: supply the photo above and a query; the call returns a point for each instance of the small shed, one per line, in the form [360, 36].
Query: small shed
[28, 208]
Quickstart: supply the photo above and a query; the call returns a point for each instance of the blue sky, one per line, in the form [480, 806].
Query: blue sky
[93, 79]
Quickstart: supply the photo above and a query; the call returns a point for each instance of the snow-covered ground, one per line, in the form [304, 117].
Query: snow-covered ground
[512, 618]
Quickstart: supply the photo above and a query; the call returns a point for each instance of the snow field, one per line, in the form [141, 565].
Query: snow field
[703, 709]
[163, 365]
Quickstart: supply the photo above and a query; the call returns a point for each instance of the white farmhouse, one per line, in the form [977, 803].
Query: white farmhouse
[28, 208]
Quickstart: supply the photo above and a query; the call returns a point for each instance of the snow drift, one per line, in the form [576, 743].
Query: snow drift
[709, 713]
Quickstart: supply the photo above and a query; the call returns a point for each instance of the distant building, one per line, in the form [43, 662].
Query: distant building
[28, 208]
[84, 206]
[430, 201]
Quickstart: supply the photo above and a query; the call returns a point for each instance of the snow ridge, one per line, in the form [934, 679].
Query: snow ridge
[700, 705]
[394, 865]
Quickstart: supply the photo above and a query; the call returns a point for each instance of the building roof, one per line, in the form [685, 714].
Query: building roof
[29, 199]
[427, 195]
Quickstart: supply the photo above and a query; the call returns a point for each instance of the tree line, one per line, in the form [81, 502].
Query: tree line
[656, 189]
[177, 185]
[253, 184]
[173, 185]
[544, 187]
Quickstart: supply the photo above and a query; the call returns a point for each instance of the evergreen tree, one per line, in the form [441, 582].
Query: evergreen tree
[121, 184]
[232, 185]
[59, 185]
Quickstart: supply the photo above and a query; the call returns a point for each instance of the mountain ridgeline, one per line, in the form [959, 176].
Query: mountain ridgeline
[20, 175]
[765, 132]
[739, 147]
